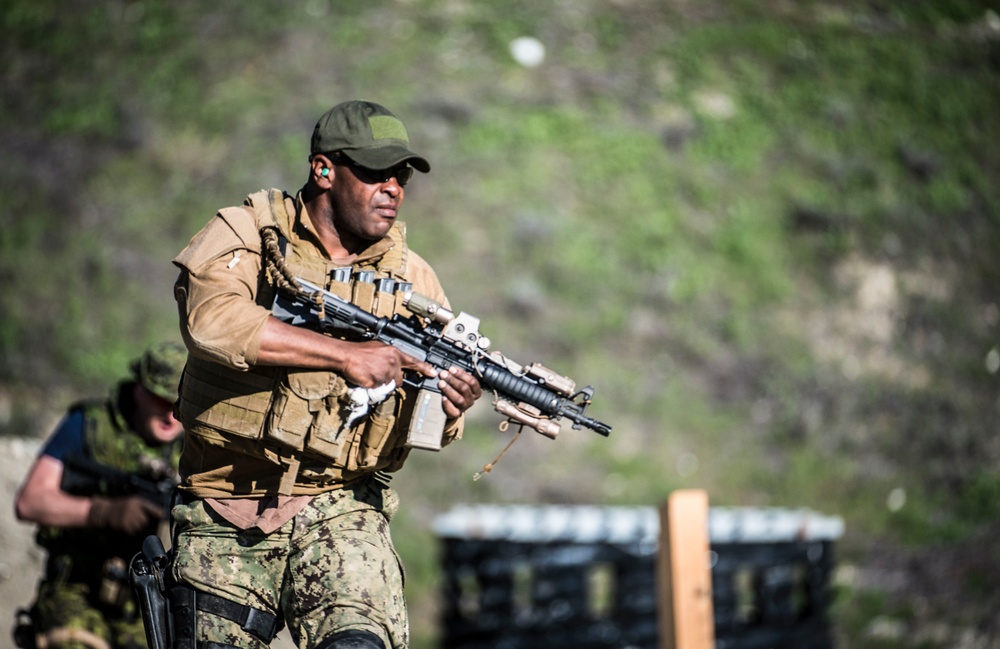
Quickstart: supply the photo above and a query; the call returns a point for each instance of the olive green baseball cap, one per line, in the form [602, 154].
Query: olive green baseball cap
[159, 369]
[368, 134]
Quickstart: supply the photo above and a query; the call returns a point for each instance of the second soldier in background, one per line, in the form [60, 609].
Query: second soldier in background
[82, 493]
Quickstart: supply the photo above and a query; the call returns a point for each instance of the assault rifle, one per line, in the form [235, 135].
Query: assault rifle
[532, 396]
[83, 476]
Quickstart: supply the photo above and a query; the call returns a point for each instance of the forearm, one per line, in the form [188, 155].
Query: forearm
[366, 364]
[284, 345]
[58, 510]
[41, 501]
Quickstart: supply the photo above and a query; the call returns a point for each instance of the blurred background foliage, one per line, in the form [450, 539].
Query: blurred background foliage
[766, 231]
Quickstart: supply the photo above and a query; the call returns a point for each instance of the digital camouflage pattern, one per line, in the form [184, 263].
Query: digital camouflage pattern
[345, 573]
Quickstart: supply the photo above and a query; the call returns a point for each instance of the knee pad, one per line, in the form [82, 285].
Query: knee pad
[352, 639]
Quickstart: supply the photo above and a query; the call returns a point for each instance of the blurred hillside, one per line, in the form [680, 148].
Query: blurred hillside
[767, 232]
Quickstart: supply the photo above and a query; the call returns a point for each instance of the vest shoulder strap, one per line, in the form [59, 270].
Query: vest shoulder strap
[269, 207]
[393, 262]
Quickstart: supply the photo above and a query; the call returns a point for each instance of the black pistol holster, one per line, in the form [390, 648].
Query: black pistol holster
[169, 609]
[147, 573]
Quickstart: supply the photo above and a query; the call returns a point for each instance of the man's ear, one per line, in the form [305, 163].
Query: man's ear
[321, 170]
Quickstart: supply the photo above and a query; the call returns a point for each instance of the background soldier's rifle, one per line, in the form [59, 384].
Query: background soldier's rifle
[533, 396]
[83, 476]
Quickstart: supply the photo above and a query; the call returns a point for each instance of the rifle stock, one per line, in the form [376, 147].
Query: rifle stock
[532, 396]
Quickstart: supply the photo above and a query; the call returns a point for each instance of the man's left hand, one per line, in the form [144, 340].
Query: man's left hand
[459, 389]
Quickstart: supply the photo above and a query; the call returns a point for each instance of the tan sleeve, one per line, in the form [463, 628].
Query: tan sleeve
[216, 289]
[233, 228]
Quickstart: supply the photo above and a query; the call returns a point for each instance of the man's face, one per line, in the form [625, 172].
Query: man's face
[366, 202]
[154, 417]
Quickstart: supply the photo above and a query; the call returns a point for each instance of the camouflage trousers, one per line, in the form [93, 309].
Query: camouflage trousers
[331, 568]
[65, 616]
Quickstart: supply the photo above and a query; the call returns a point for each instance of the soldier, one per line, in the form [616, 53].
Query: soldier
[84, 599]
[285, 499]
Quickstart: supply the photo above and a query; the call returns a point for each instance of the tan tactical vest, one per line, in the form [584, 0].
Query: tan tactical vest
[292, 417]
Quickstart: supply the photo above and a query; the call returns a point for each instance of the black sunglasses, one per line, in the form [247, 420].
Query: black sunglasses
[373, 176]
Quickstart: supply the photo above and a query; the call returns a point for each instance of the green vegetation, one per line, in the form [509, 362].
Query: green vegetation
[765, 231]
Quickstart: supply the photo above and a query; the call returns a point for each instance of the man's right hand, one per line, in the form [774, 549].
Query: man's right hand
[367, 364]
[128, 514]
[371, 364]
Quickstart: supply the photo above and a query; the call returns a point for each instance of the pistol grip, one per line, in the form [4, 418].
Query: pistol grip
[428, 421]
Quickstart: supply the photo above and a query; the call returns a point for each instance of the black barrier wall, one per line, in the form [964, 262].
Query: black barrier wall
[519, 577]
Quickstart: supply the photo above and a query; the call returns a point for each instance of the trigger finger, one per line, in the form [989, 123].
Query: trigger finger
[425, 368]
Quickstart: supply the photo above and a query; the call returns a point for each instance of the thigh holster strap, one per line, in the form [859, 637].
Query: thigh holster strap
[185, 600]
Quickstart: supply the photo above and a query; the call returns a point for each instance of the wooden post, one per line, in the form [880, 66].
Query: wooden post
[684, 577]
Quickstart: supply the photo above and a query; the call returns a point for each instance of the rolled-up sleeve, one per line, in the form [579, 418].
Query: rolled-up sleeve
[215, 292]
